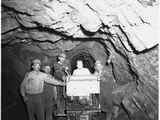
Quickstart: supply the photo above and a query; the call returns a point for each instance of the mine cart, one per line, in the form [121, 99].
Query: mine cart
[83, 93]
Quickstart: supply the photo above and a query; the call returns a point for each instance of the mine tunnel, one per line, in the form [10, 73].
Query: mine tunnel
[123, 40]
[87, 59]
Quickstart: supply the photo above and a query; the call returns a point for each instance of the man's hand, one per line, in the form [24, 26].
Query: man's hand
[68, 78]
[25, 98]
[62, 84]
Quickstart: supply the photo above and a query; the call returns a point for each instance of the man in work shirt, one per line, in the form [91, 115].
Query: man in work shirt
[32, 88]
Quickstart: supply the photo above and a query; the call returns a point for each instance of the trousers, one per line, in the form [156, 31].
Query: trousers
[35, 107]
[60, 100]
[49, 95]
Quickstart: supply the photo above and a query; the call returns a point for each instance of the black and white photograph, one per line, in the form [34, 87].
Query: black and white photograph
[80, 59]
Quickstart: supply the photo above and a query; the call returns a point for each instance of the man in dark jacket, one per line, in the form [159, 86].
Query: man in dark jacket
[61, 69]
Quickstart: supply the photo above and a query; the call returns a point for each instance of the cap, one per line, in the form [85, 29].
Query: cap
[36, 61]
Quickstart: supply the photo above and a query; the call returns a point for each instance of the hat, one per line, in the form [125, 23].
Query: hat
[36, 61]
[62, 55]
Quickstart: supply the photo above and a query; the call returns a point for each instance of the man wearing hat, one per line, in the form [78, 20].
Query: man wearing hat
[31, 90]
[61, 69]
[106, 88]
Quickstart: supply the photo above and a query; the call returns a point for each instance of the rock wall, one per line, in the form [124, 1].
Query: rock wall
[122, 33]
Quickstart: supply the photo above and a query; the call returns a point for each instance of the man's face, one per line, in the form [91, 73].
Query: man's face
[47, 69]
[79, 64]
[36, 67]
[61, 58]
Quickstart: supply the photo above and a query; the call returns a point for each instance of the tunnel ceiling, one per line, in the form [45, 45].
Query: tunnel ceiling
[131, 21]
[123, 31]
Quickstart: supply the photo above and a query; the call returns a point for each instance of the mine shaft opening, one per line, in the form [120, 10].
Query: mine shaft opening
[87, 59]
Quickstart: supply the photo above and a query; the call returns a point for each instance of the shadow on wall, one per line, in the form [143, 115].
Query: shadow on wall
[12, 104]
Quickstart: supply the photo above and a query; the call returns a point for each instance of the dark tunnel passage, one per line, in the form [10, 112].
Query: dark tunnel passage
[13, 106]
[16, 62]
[87, 59]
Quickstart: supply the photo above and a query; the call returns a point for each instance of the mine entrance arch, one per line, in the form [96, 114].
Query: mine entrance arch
[85, 56]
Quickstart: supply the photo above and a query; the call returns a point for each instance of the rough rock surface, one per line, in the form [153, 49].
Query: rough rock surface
[67, 16]
[123, 32]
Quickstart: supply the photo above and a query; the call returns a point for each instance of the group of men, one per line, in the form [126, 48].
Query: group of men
[37, 91]
[40, 90]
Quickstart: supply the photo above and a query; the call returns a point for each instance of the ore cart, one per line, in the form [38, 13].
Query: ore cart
[83, 93]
